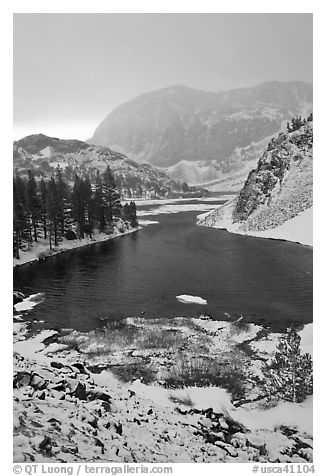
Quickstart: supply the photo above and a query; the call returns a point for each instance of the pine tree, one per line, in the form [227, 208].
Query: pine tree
[42, 194]
[289, 375]
[111, 195]
[98, 203]
[18, 218]
[89, 208]
[78, 205]
[130, 213]
[62, 196]
[21, 212]
[33, 202]
[52, 210]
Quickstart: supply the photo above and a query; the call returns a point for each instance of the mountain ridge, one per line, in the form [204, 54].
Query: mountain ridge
[212, 130]
[42, 154]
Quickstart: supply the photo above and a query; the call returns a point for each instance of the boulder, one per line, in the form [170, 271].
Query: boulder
[223, 423]
[238, 440]
[98, 394]
[56, 365]
[79, 366]
[37, 382]
[77, 389]
[21, 379]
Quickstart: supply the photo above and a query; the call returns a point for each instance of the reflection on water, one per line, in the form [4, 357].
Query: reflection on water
[266, 281]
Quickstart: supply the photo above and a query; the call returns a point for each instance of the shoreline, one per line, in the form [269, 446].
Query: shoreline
[70, 406]
[292, 231]
[239, 232]
[66, 246]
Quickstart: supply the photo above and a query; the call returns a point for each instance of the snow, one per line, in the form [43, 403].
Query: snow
[177, 208]
[298, 229]
[147, 222]
[186, 298]
[41, 248]
[30, 302]
[201, 397]
[285, 413]
[306, 339]
[140, 202]
[33, 347]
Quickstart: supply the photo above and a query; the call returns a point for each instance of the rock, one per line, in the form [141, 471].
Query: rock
[99, 443]
[18, 297]
[253, 453]
[37, 382]
[73, 449]
[56, 365]
[58, 386]
[40, 394]
[118, 428]
[206, 422]
[92, 420]
[98, 394]
[44, 443]
[228, 448]
[21, 379]
[218, 435]
[302, 441]
[223, 424]
[79, 366]
[238, 440]
[54, 422]
[306, 453]
[255, 441]
[77, 389]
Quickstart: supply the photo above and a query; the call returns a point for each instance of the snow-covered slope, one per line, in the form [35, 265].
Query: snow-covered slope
[43, 154]
[276, 200]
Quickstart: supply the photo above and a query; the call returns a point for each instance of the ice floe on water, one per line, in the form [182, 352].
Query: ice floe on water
[147, 222]
[188, 299]
[145, 202]
[177, 208]
[29, 302]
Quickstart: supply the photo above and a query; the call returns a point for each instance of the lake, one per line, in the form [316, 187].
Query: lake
[267, 282]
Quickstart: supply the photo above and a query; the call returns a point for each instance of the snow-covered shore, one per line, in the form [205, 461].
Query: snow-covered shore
[41, 248]
[298, 229]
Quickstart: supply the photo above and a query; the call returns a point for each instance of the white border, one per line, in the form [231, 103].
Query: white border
[167, 6]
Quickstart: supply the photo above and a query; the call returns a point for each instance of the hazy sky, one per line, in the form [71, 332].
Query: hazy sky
[71, 70]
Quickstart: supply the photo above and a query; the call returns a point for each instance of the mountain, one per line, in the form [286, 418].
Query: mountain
[277, 196]
[43, 154]
[203, 137]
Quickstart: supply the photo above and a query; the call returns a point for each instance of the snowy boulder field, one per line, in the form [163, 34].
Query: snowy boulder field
[153, 390]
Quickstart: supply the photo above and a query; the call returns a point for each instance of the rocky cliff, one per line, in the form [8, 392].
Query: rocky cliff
[43, 154]
[202, 136]
[277, 191]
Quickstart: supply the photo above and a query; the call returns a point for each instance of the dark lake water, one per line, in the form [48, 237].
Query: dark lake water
[268, 282]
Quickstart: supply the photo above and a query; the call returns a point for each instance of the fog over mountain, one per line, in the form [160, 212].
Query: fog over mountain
[201, 136]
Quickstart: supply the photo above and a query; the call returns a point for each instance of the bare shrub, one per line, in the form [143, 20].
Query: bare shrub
[200, 372]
